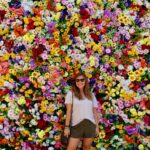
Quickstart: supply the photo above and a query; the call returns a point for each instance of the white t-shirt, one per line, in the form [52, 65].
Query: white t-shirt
[82, 109]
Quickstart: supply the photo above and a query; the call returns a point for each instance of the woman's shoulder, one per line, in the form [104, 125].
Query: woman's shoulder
[69, 92]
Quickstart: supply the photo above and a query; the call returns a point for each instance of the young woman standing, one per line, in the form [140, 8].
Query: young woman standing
[81, 116]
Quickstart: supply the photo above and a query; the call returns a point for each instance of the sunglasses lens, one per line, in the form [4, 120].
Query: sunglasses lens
[78, 80]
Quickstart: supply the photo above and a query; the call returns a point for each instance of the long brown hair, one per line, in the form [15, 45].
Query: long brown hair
[86, 88]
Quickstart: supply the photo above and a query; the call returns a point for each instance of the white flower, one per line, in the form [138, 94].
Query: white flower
[27, 5]
[33, 122]
[1, 126]
[21, 62]
[50, 148]
[120, 67]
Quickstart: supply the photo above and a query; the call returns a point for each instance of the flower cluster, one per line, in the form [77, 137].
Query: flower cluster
[45, 43]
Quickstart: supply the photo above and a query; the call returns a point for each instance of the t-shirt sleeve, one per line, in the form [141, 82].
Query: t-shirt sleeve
[68, 98]
[95, 103]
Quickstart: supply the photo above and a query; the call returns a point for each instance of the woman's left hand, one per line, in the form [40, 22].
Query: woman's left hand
[97, 131]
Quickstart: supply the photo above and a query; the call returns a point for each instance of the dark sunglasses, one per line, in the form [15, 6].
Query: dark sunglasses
[78, 80]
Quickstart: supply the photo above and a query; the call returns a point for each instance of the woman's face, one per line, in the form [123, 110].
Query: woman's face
[80, 82]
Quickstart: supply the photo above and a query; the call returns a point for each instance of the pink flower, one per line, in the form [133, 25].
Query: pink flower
[44, 56]
[58, 145]
[4, 67]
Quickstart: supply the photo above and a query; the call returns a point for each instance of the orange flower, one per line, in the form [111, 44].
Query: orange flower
[37, 10]
[4, 141]
[143, 63]
[19, 31]
[51, 41]
[1, 119]
[128, 139]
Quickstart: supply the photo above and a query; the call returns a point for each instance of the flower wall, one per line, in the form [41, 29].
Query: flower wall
[45, 43]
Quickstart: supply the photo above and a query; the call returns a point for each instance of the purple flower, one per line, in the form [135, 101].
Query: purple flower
[51, 27]
[64, 13]
[32, 63]
[24, 79]
[73, 39]
[107, 13]
[83, 6]
[45, 68]
[131, 130]
[15, 4]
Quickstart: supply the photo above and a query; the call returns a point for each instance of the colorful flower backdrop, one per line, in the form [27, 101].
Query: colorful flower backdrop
[44, 43]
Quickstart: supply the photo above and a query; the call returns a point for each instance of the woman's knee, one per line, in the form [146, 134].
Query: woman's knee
[86, 147]
[73, 144]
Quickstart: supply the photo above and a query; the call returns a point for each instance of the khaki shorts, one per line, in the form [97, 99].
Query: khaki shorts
[84, 129]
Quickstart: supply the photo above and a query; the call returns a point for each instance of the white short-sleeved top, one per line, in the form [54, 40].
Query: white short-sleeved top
[82, 109]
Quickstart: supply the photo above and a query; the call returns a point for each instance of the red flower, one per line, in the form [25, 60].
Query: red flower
[136, 87]
[147, 119]
[37, 51]
[42, 124]
[50, 5]
[94, 36]
[147, 104]
[2, 14]
[74, 31]
[121, 42]
[108, 132]
[84, 14]
[145, 47]
[124, 52]
[30, 26]
[3, 92]
[9, 44]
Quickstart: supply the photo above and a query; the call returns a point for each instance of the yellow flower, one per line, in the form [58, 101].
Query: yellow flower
[98, 1]
[30, 91]
[6, 56]
[141, 71]
[41, 134]
[17, 110]
[28, 37]
[39, 28]
[7, 98]
[133, 112]
[106, 58]
[26, 21]
[46, 75]
[35, 74]
[141, 147]
[67, 59]
[102, 134]
[57, 137]
[59, 6]
[148, 86]
[120, 126]
[78, 1]
[21, 100]
[138, 78]
[132, 77]
[57, 16]
[92, 61]
[25, 133]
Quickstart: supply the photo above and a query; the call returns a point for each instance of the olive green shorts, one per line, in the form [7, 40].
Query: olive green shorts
[84, 129]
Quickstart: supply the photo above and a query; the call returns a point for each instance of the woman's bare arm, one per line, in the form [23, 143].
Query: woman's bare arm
[68, 114]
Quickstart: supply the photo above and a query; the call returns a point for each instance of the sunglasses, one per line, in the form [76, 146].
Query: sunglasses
[78, 80]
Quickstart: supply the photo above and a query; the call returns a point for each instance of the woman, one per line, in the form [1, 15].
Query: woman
[81, 117]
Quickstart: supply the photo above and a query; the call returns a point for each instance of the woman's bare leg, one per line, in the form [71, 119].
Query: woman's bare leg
[87, 142]
[73, 143]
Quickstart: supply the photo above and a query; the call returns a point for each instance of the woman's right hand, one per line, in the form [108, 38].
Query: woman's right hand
[67, 132]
